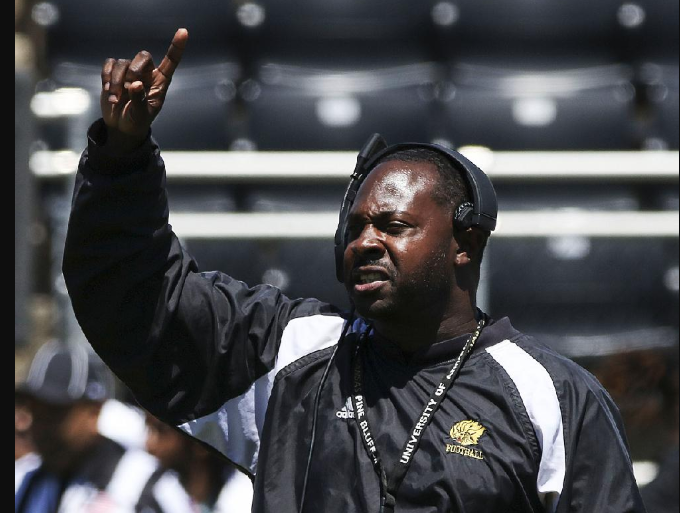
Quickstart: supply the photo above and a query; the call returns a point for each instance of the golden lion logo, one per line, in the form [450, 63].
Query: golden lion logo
[467, 432]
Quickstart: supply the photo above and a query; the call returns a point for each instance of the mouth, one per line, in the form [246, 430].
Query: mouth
[368, 280]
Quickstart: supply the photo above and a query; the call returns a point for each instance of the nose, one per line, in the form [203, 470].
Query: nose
[368, 243]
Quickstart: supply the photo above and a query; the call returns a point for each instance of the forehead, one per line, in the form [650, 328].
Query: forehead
[398, 184]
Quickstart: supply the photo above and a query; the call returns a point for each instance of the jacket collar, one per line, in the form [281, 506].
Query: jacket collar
[446, 350]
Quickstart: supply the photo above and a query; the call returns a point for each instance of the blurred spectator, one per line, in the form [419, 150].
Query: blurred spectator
[82, 470]
[644, 384]
[661, 495]
[213, 484]
[25, 457]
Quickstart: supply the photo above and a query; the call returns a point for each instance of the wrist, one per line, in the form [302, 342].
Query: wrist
[111, 152]
[116, 141]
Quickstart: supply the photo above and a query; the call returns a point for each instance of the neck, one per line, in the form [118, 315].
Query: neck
[411, 336]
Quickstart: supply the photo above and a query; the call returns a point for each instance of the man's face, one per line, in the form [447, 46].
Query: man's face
[64, 434]
[400, 252]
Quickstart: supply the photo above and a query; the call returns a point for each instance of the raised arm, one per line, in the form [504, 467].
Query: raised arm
[190, 345]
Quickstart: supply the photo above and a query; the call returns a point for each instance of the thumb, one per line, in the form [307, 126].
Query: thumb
[135, 118]
[137, 96]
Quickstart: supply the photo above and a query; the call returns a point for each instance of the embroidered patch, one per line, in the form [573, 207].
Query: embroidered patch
[464, 434]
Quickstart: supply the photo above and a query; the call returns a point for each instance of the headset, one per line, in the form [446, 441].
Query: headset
[481, 212]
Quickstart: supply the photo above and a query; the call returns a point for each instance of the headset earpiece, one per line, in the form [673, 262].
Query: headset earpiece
[462, 218]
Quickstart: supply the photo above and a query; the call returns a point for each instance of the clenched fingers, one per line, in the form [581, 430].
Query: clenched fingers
[140, 69]
[117, 82]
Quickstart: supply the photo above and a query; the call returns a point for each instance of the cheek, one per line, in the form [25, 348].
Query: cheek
[347, 257]
[428, 268]
[79, 430]
[418, 252]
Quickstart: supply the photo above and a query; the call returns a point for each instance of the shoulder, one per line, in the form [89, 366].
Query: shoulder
[567, 375]
[311, 340]
[519, 353]
[541, 374]
[309, 332]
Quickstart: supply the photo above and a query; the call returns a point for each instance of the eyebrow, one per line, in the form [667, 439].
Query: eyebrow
[381, 215]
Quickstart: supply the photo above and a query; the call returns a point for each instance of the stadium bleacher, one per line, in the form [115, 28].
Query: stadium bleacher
[540, 109]
[334, 108]
[548, 30]
[661, 89]
[87, 33]
[572, 287]
[318, 76]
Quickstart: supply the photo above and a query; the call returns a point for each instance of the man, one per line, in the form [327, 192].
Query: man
[25, 457]
[80, 470]
[330, 411]
[206, 477]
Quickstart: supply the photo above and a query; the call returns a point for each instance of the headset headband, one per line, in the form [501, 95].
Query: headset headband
[481, 212]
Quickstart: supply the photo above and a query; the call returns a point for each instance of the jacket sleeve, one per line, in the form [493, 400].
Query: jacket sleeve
[185, 342]
[599, 473]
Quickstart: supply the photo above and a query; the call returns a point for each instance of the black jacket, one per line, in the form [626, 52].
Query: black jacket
[239, 368]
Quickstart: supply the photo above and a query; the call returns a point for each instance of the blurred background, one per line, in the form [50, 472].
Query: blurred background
[570, 107]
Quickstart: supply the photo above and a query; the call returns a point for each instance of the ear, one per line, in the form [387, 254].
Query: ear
[471, 243]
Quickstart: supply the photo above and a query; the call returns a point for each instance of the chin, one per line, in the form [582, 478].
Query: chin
[374, 310]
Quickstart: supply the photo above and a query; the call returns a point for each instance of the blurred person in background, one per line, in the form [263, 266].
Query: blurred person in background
[205, 476]
[662, 495]
[25, 457]
[80, 469]
[645, 386]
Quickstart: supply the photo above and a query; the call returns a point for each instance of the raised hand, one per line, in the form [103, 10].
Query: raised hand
[133, 92]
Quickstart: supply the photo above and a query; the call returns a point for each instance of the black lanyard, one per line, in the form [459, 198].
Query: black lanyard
[390, 485]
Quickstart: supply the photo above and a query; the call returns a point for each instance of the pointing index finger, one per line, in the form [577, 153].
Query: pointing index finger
[174, 55]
